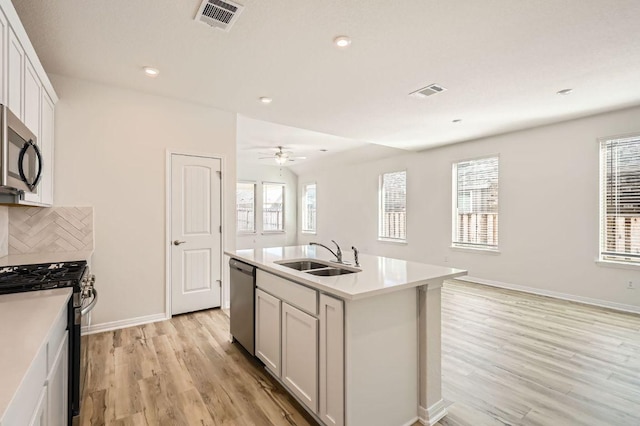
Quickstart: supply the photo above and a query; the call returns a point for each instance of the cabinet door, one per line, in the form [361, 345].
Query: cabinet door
[58, 386]
[15, 75]
[300, 355]
[4, 35]
[47, 117]
[32, 89]
[40, 415]
[31, 105]
[331, 361]
[268, 330]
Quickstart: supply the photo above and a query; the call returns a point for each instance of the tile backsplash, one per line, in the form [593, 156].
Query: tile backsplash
[52, 229]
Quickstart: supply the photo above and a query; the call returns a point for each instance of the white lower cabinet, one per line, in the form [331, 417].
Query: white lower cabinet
[58, 386]
[268, 330]
[300, 339]
[331, 361]
[300, 355]
[43, 395]
[40, 415]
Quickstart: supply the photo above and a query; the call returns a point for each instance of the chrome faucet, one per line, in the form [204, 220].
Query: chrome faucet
[355, 255]
[337, 254]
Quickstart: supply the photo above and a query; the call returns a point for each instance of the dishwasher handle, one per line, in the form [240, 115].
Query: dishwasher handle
[242, 267]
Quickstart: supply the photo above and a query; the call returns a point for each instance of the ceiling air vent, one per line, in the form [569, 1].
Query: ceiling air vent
[219, 14]
[431, 89]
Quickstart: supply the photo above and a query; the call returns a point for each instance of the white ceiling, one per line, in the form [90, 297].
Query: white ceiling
[258, 139]
[502, 61]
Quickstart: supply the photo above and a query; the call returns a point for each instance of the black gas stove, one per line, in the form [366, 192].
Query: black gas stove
[46, 276]
[14, 279]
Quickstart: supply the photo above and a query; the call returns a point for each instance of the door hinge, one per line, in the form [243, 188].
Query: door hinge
[219, 172]
[220, 229]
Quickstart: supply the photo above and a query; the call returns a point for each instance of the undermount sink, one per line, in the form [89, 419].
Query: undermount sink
[303, 265]
[328, 272]
[313, 267]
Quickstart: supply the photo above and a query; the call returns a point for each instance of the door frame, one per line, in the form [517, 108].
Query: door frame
[167, 220]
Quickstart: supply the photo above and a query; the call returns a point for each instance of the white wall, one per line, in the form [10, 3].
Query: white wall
[258, 174]
[110, 153]
[549, 209]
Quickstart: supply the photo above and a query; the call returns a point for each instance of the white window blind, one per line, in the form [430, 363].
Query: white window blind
[393, 206]
[245, 207]
[620, 199]
[272, 207]
[476, 203]
[309, 208]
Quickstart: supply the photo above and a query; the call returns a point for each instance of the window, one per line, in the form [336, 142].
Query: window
[273, 207]
[309, 208]
[246, 207]
[393, 206]
[475, 199]
[620, 199]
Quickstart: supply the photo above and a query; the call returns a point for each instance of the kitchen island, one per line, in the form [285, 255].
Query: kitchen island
[362, 348]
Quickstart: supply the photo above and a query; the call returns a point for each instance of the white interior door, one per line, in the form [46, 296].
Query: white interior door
[196, 233]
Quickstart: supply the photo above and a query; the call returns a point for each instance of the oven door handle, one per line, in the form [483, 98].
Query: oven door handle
[91, 305]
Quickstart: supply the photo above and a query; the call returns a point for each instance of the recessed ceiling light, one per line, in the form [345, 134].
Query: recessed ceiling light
[151, 72]
[265, 100]
[457, 120]
[564, 91]
[342, 41]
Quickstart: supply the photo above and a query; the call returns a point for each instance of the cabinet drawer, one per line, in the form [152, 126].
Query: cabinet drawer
[292, 293]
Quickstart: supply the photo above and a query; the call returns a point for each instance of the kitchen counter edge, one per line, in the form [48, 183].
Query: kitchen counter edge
[317, 284]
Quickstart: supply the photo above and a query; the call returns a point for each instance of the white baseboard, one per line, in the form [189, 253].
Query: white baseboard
[115, 325]
[430, 416]
[557, 295]
[412, 421]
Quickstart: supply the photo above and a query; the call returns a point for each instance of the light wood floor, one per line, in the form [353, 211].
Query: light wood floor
[508, 359]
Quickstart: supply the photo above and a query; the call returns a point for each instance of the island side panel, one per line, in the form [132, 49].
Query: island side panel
[381, 360]
[431, 405]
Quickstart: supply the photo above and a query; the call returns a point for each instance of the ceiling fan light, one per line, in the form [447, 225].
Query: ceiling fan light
[281, 160]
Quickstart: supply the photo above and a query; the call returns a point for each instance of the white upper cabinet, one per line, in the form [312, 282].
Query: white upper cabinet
[27, 91]
[47, 119]
[31, 99]
[15, 75]
[4, 35]
[31, 118]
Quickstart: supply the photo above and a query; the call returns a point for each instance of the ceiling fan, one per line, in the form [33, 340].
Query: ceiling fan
[281, 156]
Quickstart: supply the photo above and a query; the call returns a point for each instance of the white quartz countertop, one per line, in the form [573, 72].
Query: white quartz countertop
[32, 258]
[26, 321]
[379, 275]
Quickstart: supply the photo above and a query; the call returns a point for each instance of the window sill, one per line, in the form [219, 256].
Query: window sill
[241, 233]
[309, 232]
[392, 241]
[272, 232]
[617, 264]
[475, 250]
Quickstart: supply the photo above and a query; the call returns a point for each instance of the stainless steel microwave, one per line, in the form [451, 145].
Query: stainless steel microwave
[20, 157]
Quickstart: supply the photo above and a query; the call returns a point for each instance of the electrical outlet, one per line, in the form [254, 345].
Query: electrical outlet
[446, 259]
[631, 285]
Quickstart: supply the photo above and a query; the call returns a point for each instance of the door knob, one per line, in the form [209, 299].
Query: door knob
[177, 243]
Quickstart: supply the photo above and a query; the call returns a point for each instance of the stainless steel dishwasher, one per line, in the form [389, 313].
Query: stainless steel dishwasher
[242, 321]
